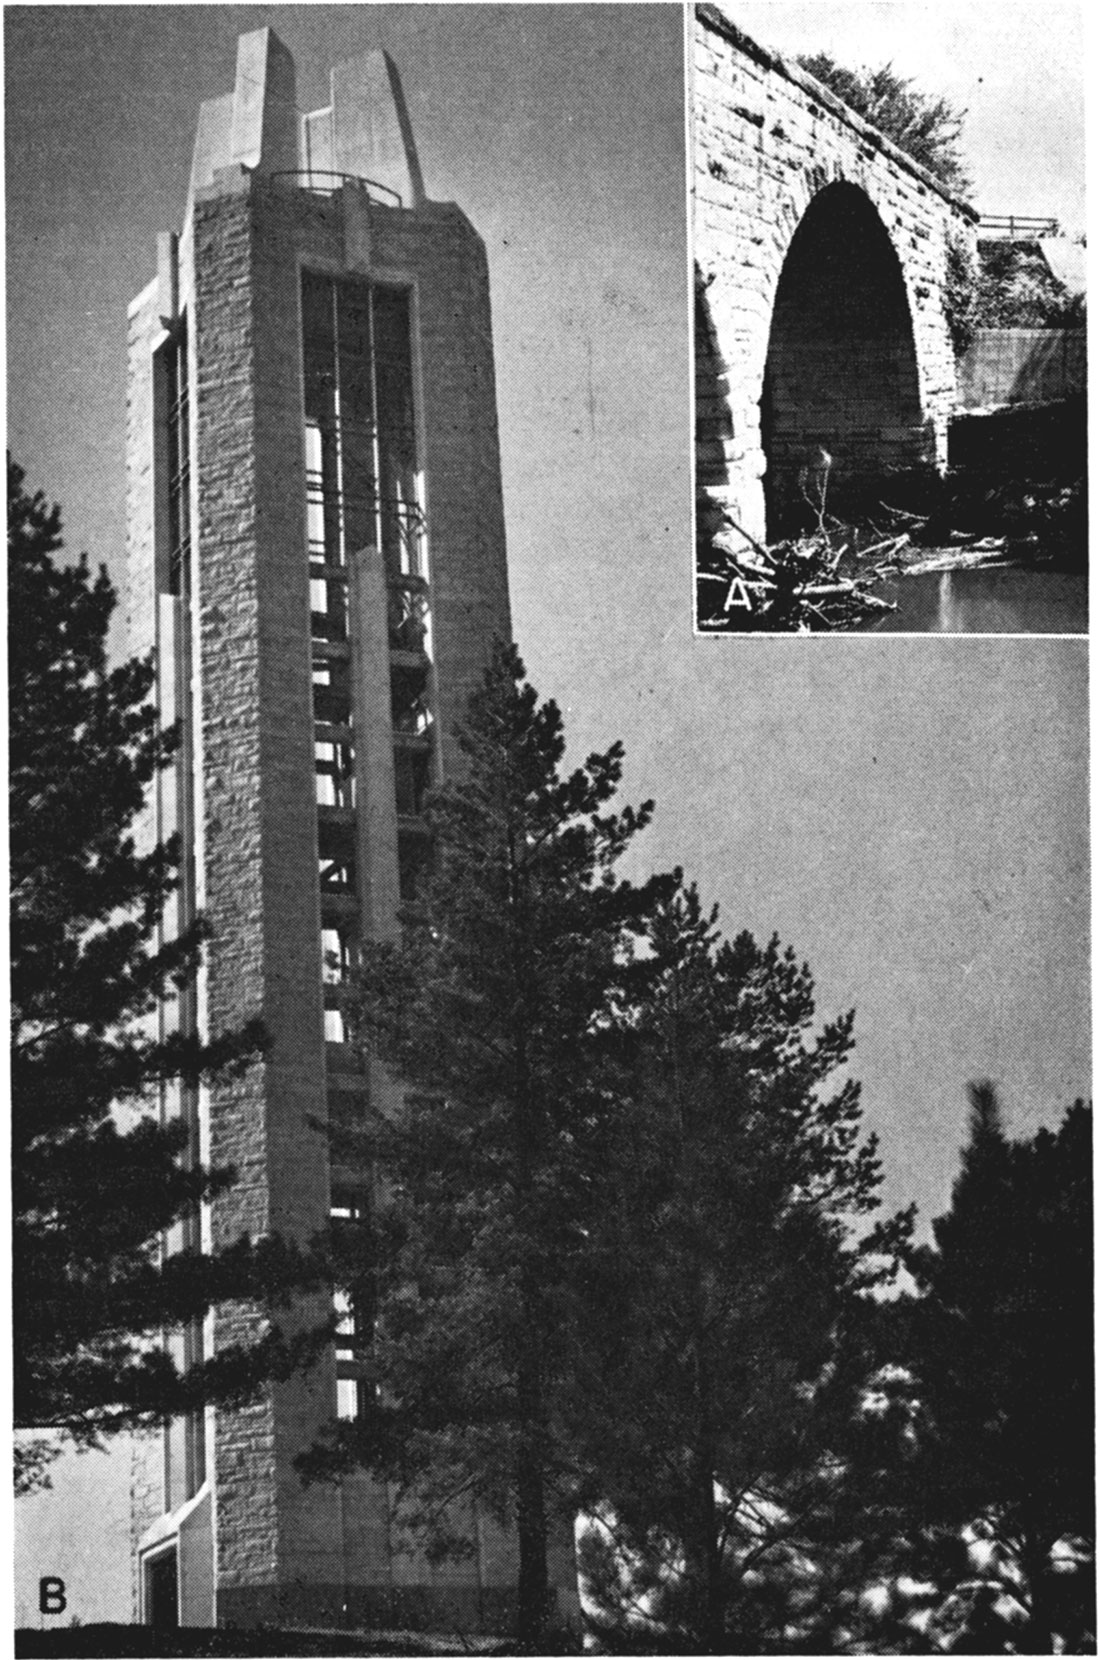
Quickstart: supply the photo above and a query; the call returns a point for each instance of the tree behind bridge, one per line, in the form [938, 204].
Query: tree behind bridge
[926, 128]
[97, 1177]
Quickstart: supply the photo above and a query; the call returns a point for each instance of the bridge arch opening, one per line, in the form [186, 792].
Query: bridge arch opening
[841, 369]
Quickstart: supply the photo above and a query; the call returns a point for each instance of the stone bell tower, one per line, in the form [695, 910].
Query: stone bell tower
[316, 554]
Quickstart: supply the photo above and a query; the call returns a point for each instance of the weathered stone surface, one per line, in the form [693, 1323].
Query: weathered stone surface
[281, 1550]
[820, 255]
[260, 859]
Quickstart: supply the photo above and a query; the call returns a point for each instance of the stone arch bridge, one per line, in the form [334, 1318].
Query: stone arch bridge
[822, 255]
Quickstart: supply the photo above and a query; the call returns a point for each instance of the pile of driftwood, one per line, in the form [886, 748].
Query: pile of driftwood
[792, 587]
[823, 580]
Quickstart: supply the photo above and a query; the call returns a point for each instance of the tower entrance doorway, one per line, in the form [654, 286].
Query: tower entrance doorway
[162, 1607]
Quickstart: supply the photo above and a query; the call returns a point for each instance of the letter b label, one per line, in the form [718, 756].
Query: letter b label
[51, 1595]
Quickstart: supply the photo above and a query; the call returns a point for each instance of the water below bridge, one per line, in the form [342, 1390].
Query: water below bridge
[993, 599]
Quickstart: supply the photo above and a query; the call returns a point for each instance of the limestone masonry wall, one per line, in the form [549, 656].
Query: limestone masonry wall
[229, 602]
[251, 1542]
[286, 1552]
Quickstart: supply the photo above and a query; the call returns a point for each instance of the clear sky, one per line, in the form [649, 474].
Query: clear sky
[1016, 70]
[910, 815]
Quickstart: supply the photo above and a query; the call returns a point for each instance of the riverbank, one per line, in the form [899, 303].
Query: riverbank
[851, 577]
[1013, 498]
[846, 575]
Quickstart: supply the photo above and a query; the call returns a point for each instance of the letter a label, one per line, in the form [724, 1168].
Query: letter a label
[739, 598]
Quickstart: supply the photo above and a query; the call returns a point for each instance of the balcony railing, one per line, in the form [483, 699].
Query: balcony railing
[1016, 227]
[322, 183]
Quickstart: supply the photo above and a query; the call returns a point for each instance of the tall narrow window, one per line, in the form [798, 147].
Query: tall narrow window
[361, 463]
[179, 462]
[399, 512]
[353, 1301]
[331, 691]
[412, 779]
[334, 767]
[185, 1437]
[336, 955]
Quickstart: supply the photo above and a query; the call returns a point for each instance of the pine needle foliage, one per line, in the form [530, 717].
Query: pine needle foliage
[718, 1388]
[497, 1010]
[97, 1177]
[1001, 1346]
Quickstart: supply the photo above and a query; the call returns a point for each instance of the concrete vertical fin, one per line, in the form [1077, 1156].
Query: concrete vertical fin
[372, 132]
[168, 277]
[265, 118]
[358, 238]
[316, 156]
[377, 854]
[213, 141]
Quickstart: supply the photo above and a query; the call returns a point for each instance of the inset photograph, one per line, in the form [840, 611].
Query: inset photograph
[890, 365]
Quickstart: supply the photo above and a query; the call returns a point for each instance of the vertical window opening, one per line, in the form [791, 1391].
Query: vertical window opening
[362, 477]
[399, 527]
[334, 770]
[336, 955]
[185, 1437]
[412, 780]
[354, 1300]
[332, 691]
[409, 705]
[179, 462]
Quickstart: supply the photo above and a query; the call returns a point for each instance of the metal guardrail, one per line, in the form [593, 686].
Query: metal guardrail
[1017, 227]
[311, 179]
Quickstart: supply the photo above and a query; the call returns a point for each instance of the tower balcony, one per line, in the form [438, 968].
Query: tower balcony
[319, 182]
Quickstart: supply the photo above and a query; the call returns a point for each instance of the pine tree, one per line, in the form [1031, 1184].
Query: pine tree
[97, 1178]
[928, 129]
[1002, 1348]
[719, 1385]
[496, 1011]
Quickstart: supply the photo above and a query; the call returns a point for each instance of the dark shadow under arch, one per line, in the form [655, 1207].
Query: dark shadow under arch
[713, 426]
[841, 371]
